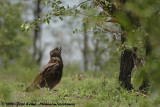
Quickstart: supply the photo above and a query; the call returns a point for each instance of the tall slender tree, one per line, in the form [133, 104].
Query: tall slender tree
[85, 48]
[37, 51]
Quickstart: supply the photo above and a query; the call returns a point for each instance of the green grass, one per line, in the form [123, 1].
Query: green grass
[82, 89]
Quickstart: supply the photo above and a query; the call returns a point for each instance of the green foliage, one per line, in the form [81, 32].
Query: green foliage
[57, 10]
[17, 65]
[12, 42]
[148, 13]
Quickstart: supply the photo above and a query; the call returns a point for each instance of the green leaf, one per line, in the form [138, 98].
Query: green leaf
[48, 21]
[74, 32]
[44, 20]
[59, 2]
[61, 18]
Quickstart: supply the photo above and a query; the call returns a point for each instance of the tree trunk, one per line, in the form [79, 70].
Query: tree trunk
[37, 53]
[128, 55]
[96, 51]
[126, 66]
[85, 50]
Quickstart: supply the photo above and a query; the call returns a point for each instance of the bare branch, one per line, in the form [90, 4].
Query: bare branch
[82, 3]
[111, 31]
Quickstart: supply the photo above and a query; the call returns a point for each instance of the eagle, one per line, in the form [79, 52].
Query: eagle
[51, 74]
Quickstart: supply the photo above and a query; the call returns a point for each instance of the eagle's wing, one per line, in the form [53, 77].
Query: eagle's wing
[47, 67]
[39, 78]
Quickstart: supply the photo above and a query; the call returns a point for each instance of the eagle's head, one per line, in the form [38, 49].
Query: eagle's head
[55, 52]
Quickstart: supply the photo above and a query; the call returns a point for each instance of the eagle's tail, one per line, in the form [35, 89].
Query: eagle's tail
[34, 84]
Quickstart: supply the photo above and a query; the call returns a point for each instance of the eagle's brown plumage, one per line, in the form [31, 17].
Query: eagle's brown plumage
[51, 74]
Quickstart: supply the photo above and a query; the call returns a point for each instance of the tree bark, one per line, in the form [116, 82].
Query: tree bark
[126, 66]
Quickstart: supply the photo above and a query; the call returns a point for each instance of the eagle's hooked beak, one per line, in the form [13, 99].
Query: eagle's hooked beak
[60, 48]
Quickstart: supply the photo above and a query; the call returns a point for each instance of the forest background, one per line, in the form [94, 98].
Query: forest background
[110, 50]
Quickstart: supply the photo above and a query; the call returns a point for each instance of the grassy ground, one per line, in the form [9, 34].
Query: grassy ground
[82, 89]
